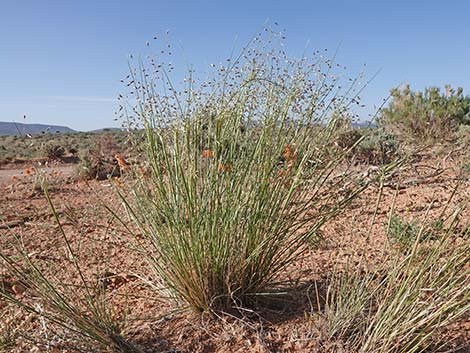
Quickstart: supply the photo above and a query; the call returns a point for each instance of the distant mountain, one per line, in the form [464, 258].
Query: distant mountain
[7, 128]
[364, 124]
[106, 129]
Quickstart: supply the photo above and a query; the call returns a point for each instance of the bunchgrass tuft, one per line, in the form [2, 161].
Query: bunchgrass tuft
[244, 172]
[80, 305]
[400, 307]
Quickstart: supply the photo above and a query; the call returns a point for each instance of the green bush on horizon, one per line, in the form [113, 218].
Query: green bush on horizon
[427, 115]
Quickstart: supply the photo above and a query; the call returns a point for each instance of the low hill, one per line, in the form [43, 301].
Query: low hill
[106, 129]
[11, 128]
[364, 125]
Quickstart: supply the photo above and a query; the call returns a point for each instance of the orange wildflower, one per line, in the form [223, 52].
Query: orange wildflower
[208, 153]
[290, 153]
[224, 167]
[14, 178]
[123, 165]
[118, 182]
[28, 171]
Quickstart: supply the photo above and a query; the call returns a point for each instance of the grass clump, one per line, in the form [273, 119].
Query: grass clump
[241, 173]
[401, 306]
[429, 115]
[78, 304]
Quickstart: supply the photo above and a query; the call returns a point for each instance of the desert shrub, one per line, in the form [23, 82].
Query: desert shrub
[426, 115]
[400, 306]
[370, 146]
[378, 147]
[405, 233]
[98, 162]
[348, 137]
[241, 176]
[463, 135]
[53, 151]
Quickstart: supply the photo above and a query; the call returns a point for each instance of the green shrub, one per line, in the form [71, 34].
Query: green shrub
[404, 234]
[378, 147]
[426, 115]
[370, 146]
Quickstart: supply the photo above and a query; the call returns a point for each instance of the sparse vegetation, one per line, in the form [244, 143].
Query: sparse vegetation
[8, 328]
[399, 307]
[21, 149]
[250, 216]
[82, 308]
[463, 135]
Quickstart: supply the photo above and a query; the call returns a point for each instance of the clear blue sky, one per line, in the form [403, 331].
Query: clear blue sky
[61, 61]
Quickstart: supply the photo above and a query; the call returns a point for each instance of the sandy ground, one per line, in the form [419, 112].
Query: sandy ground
[64, 170]
[278, 327]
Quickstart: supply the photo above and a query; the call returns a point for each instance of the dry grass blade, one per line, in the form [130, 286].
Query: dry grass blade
[80, 308]
[400, 307]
